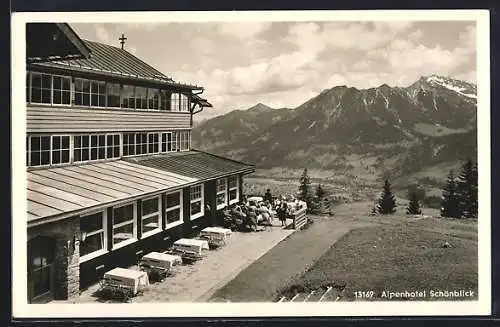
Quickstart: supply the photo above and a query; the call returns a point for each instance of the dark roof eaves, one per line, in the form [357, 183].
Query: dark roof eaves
[69, 68]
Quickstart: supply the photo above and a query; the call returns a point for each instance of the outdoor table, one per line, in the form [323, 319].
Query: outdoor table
[187, 244]
[158, 265]
[216, 231]
[160, 260]
[133, 280]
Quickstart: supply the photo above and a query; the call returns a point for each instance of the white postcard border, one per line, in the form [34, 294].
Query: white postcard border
[20, 307]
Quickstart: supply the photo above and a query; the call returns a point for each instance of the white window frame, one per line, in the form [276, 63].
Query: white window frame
[139, 142]
[147, 98]
[154, 92]
[29, 150]
[158, 135]
[166, 142]
[175, 141]
[179, 206]
[175, 98]
[51, 150]
[120, 145]
[104, 230]
[106, 145]
[222, 205]
[134, 237]
[237, 188]
[70, 90]
[90, 93]
[184, 140]
[107, 94]
[158, 213]
[30, 89]
[202, 206]
[183, 98]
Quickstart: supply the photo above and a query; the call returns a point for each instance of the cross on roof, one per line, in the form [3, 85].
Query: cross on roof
[122, 40]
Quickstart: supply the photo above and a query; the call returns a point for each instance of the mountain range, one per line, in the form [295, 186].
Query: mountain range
[430, 125]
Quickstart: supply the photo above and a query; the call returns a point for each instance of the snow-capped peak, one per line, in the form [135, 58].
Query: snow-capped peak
[452, 84]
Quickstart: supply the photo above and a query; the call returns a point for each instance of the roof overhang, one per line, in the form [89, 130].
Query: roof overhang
[53, 41]
[60, 68]
[201, 102]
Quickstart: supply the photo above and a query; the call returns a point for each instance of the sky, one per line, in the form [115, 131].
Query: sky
[284, 64]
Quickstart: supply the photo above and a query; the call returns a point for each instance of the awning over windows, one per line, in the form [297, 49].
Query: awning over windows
[60, 192]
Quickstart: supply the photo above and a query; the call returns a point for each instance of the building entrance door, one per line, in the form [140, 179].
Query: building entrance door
[41, 252]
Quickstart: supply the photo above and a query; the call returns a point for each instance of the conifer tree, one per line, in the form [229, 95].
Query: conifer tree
[413, 207]
[387, 202]
[467, 189]
[450, 202]
[305, 193]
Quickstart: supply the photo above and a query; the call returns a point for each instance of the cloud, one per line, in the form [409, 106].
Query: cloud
[415, 35]
[145, 27]
[102, 34]
[468, 39]
[283, 64]
[394, 26]
[243, 30]
[202, 45]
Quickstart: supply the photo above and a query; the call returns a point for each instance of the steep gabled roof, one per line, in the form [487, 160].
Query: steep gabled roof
[112, 61]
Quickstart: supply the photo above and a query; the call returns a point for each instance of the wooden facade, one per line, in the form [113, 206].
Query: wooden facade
[110, 183]
[53, 119]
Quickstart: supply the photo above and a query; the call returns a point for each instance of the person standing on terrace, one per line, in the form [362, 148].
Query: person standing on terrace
[268, 197]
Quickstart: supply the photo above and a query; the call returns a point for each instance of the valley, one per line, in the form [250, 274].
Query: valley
[351, 139]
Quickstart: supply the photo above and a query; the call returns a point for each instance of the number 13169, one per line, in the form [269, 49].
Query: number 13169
[364, 294]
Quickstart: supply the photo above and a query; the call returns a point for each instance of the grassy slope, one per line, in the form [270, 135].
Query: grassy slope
[399, 262]
[406, 256]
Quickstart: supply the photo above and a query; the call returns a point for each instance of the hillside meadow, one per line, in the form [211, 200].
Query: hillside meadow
[354, 251]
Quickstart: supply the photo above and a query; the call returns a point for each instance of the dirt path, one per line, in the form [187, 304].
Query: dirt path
[287, 260]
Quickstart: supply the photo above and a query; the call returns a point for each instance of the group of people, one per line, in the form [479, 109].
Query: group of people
[254, 212]
[281, 206]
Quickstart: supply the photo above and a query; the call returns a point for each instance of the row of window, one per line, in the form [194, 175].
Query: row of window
[223, 185]
[124, 222]
[145, 143]
[124, 219]
[44, 88]
[63, 149]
